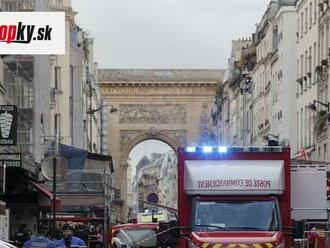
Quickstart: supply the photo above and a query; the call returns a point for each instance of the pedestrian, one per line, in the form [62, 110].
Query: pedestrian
[40, 240]
[68, 240]
[82, 233]
[22, 235]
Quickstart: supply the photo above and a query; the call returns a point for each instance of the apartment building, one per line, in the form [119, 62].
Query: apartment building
[282, 78]
[228, 114]
[258, 98]
[266, 45]
[308, 56]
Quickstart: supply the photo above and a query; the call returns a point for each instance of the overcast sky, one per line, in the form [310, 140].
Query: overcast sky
[166, 33]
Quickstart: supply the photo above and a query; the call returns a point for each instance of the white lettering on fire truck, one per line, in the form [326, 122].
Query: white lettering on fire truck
[228, 183]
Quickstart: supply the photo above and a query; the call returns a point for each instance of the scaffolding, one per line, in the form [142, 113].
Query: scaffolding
[18, 82]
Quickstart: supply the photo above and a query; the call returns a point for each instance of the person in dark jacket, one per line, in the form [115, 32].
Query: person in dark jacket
[69, 241]
[22, 235]
[39, 241]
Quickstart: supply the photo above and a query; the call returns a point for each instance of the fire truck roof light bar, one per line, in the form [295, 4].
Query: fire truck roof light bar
[233, 149]
[207, 149]
[191, 149]
[222, 149]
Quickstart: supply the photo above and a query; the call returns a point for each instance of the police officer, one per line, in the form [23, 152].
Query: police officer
[68, 240]
[39, 241]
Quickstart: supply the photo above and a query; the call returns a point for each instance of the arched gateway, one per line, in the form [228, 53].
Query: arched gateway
[169, 105]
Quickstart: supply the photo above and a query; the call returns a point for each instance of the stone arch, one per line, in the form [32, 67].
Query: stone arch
[172, 142]
[173, 106]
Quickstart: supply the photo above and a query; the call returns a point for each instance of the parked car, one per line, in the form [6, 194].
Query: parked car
[134, 235]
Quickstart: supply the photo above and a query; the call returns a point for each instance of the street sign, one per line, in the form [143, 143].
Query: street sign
[10, 160]
[8, 125]
[153, 198]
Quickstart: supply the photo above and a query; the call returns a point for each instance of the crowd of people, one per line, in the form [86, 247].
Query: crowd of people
[64, 236]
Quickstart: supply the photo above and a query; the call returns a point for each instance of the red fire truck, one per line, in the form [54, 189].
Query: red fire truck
[246, 196]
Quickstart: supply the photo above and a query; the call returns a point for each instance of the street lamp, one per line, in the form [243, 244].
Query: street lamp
[91, 112]
[246, 86]
[312, 106]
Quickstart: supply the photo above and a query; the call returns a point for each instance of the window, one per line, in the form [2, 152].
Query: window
[314, 62]
[57, 124]
[301, 73]
[298, 68]
[310, 14]
[315, 11]
[297, 131]
[306, 127]
[321, 44]
[231, 215]
[57, 77]
[306, 70]
[71, 102]
[318, 52]
[310, 127]
[306, 20]
[310, 66]
[326, 40]
[325, 152]
[301, 128]
[298, 28]
[301, 24]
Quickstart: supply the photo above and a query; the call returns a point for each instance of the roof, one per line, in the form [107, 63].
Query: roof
[160, 75]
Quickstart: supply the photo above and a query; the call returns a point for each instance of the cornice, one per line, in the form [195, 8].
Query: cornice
[160, 75]
[158, 84]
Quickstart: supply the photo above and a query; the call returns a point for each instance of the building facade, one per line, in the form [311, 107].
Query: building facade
[50, 94]
[307, 58]
[258, 97]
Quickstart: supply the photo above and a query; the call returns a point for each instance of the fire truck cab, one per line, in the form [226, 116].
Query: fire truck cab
[239, 196]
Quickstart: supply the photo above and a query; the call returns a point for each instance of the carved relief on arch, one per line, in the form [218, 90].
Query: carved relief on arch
[174, 138]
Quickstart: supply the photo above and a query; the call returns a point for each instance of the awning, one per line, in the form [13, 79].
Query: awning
[45, 197]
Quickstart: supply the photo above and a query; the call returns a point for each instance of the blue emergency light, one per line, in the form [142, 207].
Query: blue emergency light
[191, 149]
[222, 149]
[207, 149]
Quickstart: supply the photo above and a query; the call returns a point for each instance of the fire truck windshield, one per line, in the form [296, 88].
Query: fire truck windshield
[236, 215]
